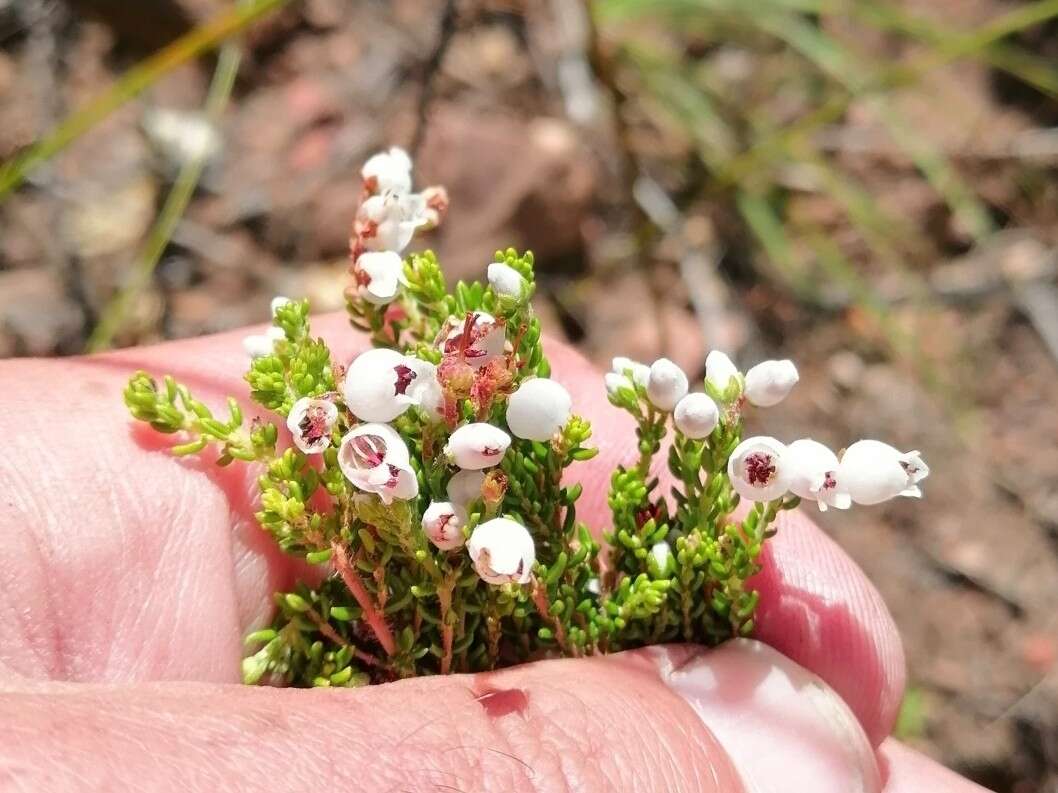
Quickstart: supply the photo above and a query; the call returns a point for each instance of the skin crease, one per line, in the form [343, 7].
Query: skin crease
[127, 579]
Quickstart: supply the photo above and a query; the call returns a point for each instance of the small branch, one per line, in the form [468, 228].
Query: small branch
[543, 607]
[328, 630]
[372, 616]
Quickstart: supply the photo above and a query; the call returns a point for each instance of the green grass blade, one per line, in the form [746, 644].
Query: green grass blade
[131, 84]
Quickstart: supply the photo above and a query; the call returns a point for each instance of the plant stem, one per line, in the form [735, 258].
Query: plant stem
[543, 607]
[328, 630]
[372, 616]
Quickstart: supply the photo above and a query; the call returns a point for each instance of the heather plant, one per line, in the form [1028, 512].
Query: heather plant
[427, 478]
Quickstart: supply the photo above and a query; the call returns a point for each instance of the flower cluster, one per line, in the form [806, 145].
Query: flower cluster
[428, 477]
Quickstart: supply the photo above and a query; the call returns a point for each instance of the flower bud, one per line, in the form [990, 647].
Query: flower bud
[662, 555]
[381, 384]
[696, 416]
[278, 302]
[258, 345]
[443, 524]
[375, 459]
[378, 275]
[666, 384]
[388, 170]
[506, 281]
[719, 370]
[814, 474]
[464, 487]
[477, 446]
[768, 383]
[872, 472]
[538, 409]
[615, 382]
[638, 372]
[310, 422]
[757, 470]
[502, 551]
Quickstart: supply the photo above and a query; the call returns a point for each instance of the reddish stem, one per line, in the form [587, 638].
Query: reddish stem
[372, 616]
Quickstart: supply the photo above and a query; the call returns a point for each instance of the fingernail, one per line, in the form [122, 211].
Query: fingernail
[782, 726]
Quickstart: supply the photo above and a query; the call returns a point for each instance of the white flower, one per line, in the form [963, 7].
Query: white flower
[388, 221]
[768, 383]
[378, 276]
[443, 524]
[538, 409]
[662, 554]
[505, 280]
[814, 474]
[259, 345]
[465, 487]
[757, 470]
[487, 339]
[310, 421]
[594, 586]
[719, 370]
[424, 389]
[872, 472]
[477, 446]
[696, 415]
[278, 302]
[388, 170]
[666, 384]
[381, 384]
[626, 367]
[502, 551]
[375, 459]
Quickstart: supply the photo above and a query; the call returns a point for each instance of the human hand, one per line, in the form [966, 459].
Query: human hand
[128, 578]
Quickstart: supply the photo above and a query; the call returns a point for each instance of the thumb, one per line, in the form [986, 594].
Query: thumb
[665, 719]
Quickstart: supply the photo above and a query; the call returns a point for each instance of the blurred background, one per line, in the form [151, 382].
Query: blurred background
[866, 186]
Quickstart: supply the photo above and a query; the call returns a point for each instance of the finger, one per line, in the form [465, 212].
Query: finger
[907, 771]
[532, 728]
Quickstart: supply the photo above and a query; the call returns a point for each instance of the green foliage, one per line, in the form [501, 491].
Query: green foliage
[390, 604]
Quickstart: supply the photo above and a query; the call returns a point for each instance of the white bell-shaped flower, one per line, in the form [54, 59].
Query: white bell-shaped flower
[872, 472]
[814, 474]
[615, 382]
[388, 221]
[278, 302]
[505, 280]
[487, 339]
[310, 422]
[388, 170]
[757, 470]
[538, 409]
[476, 446]
[375, 459]
[666, 384]
[696, 415]
[503, 551]
[626, 367]
[465, 487]
[379, 275]
[770, 382]
[258, 345]
[381, 384]
[719, 370]
[443, 522]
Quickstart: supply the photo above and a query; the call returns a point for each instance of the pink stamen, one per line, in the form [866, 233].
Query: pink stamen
[404, 377]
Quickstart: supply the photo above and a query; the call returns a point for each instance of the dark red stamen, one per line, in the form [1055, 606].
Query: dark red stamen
[759, 468]
[829, 482]
[314, 425]
[490, 451]
[404, 377]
